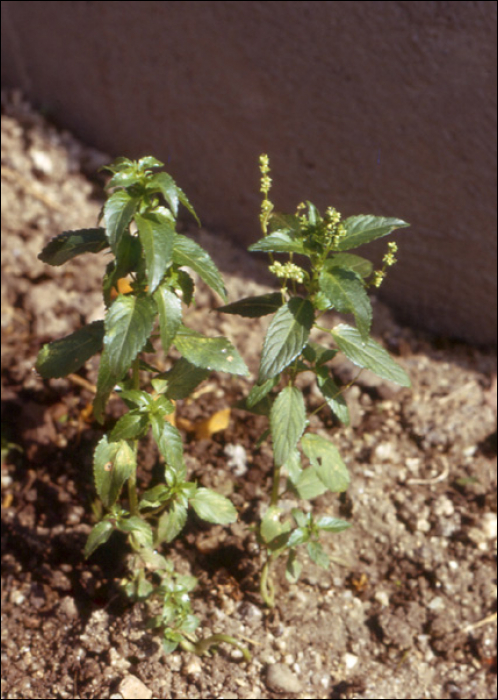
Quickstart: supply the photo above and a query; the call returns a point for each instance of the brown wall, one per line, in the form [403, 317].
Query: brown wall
[373, 107]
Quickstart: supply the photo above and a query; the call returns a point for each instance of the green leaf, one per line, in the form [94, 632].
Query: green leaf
[171, 523]
[365, 228]
[113, 464]
[330, 524]
[361, 266]
[319, 354]
[332, 395]
[368, 354]
[164, 183]
[183, 378]
[259, 391]
[271, 527]
[140, 531]
[213, 507]
[293, 567]
[99, 535]
[254, 307]
[287, 422]
[169, 307]
[347, 294]
[278, 242]
[69, 244]
[188, 252]
[286, 337]
[157, 236]
[308, 484]
[106, 381]
[327, 461]
[131, 426]
[118, 212]
[209, 353]
[169, 442]
[315, 550]
[298, 536]
[128, 325]
[67, 355]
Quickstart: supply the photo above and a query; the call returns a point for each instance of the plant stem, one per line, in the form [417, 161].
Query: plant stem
[132, 480]
[266, 585]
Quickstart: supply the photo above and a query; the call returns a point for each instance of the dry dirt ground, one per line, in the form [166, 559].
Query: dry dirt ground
[407, 611]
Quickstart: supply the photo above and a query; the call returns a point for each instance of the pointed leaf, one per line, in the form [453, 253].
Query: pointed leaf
[188, 252]
[361, 266]
[317, 554]
[131, 426]
[325, 458]
[213, 507]
[278, 242]
[118, 212]
[271, 527]
[72, 243]
[254, 307]
[106, 381]
[157, 236]
[67, 355]
[209, 353]
[347, 294]
[365, 228]
[99, 535]
[183, 378]
[171, 523]
[332, 395]
[169, 307]
[169, 441]
[113, 463]
[368, 354]
[259, 391]
[286, 337]
[287, 422]
[330, 524]
[128, 325]
[164, 183]
[308, 484]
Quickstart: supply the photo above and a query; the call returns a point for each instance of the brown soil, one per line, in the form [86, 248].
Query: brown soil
[406, 609]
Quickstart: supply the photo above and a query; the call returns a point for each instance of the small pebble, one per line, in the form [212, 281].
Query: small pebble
[280, 678]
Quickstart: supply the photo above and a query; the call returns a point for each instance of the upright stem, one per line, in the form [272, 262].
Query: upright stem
[132, 480]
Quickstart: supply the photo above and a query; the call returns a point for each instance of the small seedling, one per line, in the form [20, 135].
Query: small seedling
[145, 288]
[332, 278]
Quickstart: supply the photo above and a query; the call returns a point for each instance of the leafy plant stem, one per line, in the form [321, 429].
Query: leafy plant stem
[266, 585]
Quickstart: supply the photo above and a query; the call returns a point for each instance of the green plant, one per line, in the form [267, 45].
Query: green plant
[144, 286]
[331, 279]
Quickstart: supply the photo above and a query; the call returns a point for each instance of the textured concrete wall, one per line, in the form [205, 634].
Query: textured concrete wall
[373, 107]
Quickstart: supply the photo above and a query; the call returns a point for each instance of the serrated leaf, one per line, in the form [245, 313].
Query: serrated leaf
[69, 244]
[254, 307]
[332, 395]
[213, 507]
[317, 554]
[118, 212]
[157, 236]
[131, 426]
[113, 464]
[308, 484]
[164, 183]
[325, 458]
[183, 378]
[278, 242]
[171, 523]
[209, 353]
[361, 266]
[286, 337]
[67, 355]
[330, 524]
[287, 422]
[259, 391]
[368, 354]
[169, 442]
[188, 252]
[365, 228]
[346, 293]
[319, 354]
[139, 530]
[169, 308]
[128, 325]
[106, 381]
[98, 535]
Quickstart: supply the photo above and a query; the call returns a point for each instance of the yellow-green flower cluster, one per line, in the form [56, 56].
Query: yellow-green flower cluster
[287, 271]
[378, 277]
[264, 166]
[389, 258]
